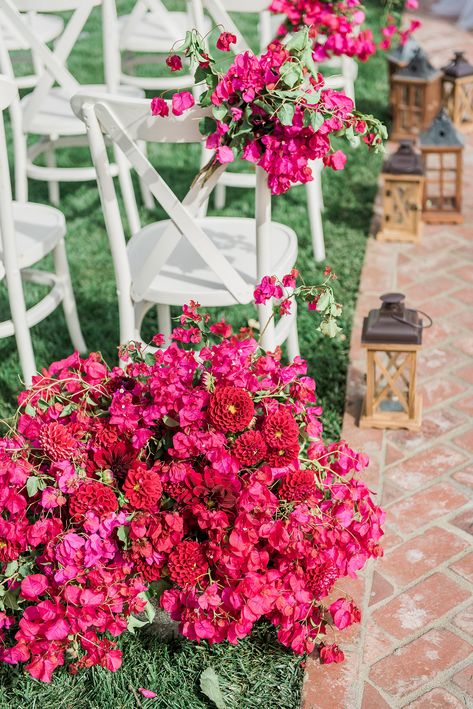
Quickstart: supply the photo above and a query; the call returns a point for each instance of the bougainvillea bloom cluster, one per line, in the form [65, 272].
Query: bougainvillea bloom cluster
[199, 473]
[272, 110]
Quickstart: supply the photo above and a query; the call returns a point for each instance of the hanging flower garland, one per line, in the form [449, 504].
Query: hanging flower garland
[196, 477]
[272, 110]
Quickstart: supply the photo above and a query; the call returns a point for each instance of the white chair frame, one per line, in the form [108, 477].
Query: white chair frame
[46, 26]
[137, 47]
[59, 281]
[127, 123]
[219, 11]
[56, 71]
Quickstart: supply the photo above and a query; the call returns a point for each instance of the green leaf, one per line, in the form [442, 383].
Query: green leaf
[207, 125]
[286, 114]
[297, 41]
[32, 486]
[291, 73]
[317, 120]
[210, 686]
[134, 622]
[219, 112]
[10, 600]
[150, 611]
[329, 328]
[122, 533]
[30, 410]
[323, 301]
[312, 98]
[11, 568]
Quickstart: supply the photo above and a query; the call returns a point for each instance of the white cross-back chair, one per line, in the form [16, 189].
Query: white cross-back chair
[46, 110]
[147, 35]
[48, 27]
[28, 232]
[214, 260]
[219, 11]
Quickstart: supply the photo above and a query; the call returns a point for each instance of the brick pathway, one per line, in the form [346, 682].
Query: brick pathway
[415, 645]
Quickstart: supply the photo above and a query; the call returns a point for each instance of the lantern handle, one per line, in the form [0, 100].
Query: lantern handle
[416, 327]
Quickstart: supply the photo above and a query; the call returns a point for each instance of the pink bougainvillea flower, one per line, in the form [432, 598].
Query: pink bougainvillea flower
[225, 40]
[336, 160]
[159, 107]
[182, 102]
[174, 62]
[147, 693]
[225, 154]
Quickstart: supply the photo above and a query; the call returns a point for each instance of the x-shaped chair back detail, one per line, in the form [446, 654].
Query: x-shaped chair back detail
[158, 9]
[127, 122]
[54, 61]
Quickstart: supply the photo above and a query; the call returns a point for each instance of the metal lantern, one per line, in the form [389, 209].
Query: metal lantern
[457, 91]
[398, 59]
[416, 97]
[392, 337]
[403, 184]
[442, 156]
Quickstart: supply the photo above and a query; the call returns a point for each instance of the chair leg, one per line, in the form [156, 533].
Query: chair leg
[69, 301]
[293, 350]
[164, 321]
[220, 194]
[53, 185]
[146, 196]
[315, 220]
[22, 331]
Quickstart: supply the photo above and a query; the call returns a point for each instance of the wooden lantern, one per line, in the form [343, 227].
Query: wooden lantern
[416, 97]
[442, 157]
[403, 184]
[392, 337]
[457, 91]
[398, 59]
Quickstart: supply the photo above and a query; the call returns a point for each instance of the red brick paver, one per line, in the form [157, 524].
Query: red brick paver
[414, 647]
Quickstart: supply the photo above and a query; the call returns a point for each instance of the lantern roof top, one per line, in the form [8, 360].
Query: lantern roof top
[405, 161]
[458, 67]
[441, 132]
[419, 67]
[392, 323]
[403, 53]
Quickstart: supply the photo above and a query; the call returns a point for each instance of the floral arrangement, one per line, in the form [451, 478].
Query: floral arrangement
[273, 110]
[198, 477]
[337, 27]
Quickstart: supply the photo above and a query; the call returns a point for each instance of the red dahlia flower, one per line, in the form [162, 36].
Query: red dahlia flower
[187, 563]
[282, 456]
[298, 486]
[280, 429]
[93, 497]
[56, 441]
[250, 448]
[142, 487]
[321, 578]
[231, 409]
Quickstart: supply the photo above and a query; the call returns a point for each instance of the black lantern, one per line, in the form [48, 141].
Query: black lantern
[457, 91]
[403, 184]
[416, 97]
[392, 336]
[442, 154]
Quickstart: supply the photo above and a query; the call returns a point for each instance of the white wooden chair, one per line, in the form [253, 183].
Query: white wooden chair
[28, 232]
[46, 110]
[148, 34]
[47, 27]
[214, 260]
[219, 11]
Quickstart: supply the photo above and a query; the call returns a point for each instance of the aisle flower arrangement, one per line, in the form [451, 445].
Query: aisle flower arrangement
[196, 474]
[272, 110]
[338, 27]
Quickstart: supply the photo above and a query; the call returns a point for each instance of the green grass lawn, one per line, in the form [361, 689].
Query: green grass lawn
[258, 673]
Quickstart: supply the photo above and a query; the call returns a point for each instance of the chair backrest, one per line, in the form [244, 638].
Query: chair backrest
[128, 122]
[55, 62]
[159, 10]
[220, 10]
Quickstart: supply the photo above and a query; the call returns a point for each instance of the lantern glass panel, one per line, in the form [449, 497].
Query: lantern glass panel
[399, 213]
[392, 377]
[441, 182]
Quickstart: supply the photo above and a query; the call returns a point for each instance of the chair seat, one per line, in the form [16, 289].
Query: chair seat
[38, 229]
[46, 28]
[56, 116]
[151, 35]
[186, 275]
